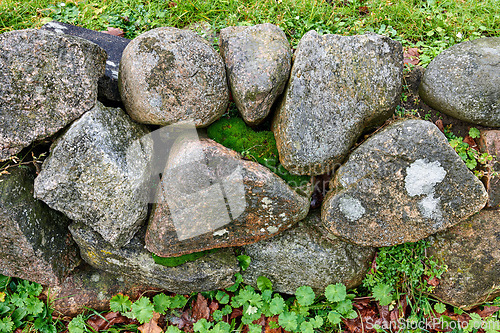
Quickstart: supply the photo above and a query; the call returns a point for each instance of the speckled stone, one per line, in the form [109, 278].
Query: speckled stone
[35, 243]
[339, 86]
[306, 255]
[98, 173]
[210, 198]
[210, 272]
[401, 185]
[169, 75]
[471, 252]
[258, 61]
[47, 80]
[463, 80]
[489, 142]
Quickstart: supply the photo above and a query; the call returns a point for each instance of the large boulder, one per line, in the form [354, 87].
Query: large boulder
[98, 173]
[472, 253]
[210, 272]
[306, 255]
[47, 80]
[338, 87]
[209, 197]
[258, 61]
[463, 82]
[169, 75]
[35, 243]
[489, 143]
[401, 185]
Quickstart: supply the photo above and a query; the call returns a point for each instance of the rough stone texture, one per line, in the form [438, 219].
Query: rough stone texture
[401, 185]
[98, 173]
[92, 288]
[306, 256]
[258, 61]
[472, 253]
[209, 198]
[47, 80]
[35, 243]
[490, 143]
[463, 82]
[338, 86]
[113, 45]
[169, 75]
[213, 271]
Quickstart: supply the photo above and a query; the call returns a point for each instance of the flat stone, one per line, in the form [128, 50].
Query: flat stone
[209, 197]
[113, 45]
[213, 271]
[35, 243]
[401, 185]
[306, 255]
[258, 61]
[339, 86]
[88, 287]
[169, 75]
[471, 250]
[98, 173]
[489, 142]
[463, 80]
[47, 80]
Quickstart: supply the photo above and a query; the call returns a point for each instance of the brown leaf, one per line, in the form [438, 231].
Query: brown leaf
[488, 311]
[471, 142]
[200, 308]
[214, 305]
[268, 329]
[152, 325]
[363, 10]
[114, 31]
[411, 56]
[432, 282]
[439, 124]
[99, 323]
[238, 312]
[172, 4]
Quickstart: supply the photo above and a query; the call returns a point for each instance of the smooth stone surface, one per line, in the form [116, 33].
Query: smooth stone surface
[88, 287]
[98, 173]
[47, 80]
[35, 243]
[213, 271]
[306, 255]
[489, 142]
[258, 61]
[210, 198]
[113, 45]
[338, 87]
[168, 75]
[463, 80]
[401, 185]
[471, 250]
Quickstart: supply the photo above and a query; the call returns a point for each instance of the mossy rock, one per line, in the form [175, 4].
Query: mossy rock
[177, 261]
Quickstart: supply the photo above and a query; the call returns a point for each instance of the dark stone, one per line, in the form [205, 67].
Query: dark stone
[489, 143]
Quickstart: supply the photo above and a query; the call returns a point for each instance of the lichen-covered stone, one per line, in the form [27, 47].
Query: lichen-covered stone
[306, 255]
[258, 61]
[463, 80]
[209, 198]
[35, 243]
[169, 75]
[401, 185]
[47, 80]
[339, 85]
[471, 251]
[98, 173]
[91, 288]
[213, 271]
[489, 143]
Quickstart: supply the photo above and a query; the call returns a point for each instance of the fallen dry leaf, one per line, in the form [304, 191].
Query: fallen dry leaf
[152, 325]
[439, 124]
[411, 56]
[363, 10]
[99, 323]
[114, 31]
[487, 311]
[471, 142]
[200, 308]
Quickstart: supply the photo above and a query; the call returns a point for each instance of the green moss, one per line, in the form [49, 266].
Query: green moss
[260, 146]
[176, 261]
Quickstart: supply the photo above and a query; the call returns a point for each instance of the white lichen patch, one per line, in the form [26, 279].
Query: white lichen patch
[94, 277]
[272, 229]
[266, 201]
[111, 63]
[422, 177]
[430, 208]
[221, 232]
[351, 208]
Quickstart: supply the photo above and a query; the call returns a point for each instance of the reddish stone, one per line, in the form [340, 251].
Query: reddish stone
[490, 143]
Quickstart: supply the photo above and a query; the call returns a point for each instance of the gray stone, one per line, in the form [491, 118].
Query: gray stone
[338, 87]
[47, 80]
[98, 173]
[169, 75]
[471, 250]
[463, 82]
[35, 243]
[489, 143]
[258, 61]
[213, 271]
[113, 45]
[401, 185]
[210, 197]
[306, 255]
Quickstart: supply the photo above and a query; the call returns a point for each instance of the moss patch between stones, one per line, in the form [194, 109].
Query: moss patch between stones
[177, 261]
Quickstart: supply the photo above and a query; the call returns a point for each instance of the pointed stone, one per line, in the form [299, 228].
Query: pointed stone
[489, 143]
